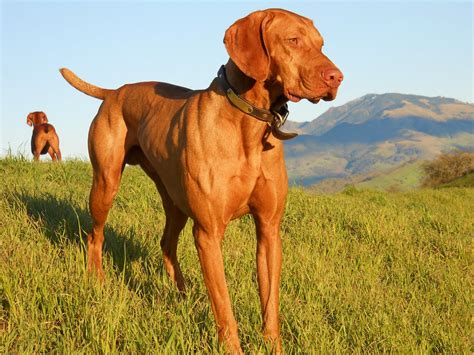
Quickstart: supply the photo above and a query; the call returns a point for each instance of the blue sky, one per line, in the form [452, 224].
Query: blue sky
[423, 48]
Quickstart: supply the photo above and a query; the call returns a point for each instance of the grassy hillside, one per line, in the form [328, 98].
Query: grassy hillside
[464, 181]
[404, 177]
[363, 271]
[311, 160]
[377, 132]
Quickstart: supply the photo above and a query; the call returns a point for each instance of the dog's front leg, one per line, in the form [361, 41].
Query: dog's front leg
[208, 244]
[268, 205]
[269, 258]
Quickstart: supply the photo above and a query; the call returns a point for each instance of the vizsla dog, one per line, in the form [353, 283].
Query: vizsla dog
[44, 139]
[214, 154]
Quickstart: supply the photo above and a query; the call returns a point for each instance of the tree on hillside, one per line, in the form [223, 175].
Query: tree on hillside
[448, 167]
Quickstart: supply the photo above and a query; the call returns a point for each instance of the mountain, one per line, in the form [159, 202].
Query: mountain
[377, 132]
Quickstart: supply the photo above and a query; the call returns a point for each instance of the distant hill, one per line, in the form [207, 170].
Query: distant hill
[375, 133]
[404, 177]
[464, 181]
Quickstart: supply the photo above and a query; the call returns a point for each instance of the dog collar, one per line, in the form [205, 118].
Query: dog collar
[274, 119]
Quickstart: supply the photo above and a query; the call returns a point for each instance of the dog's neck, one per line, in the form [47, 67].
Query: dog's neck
[265, 95]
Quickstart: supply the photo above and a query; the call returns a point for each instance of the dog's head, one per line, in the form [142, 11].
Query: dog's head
[284, 48]
[36, 118]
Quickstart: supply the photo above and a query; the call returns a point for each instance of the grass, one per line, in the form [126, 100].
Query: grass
[364, 271]
[407, 176]
[463, 181]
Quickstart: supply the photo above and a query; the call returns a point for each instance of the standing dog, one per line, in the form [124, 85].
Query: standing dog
[214, 154]
[44, 139]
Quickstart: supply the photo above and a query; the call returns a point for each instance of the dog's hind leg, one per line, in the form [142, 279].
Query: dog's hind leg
[175, 220]
[107, 153]
[58, 154]
[53, 150]
[36, 156]
[39, 147]
[53, 154]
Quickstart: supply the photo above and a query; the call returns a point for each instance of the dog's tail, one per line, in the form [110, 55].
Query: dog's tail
[81, 85]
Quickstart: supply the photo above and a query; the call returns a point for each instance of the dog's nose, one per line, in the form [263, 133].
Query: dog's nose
[333, 77]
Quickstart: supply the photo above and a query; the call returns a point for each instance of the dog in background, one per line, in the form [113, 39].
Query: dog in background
[44, 139]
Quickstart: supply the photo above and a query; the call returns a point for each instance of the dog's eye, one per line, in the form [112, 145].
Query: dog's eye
[293, 40]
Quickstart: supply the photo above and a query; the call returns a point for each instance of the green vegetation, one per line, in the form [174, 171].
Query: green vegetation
[448, 167]
[405, 177]
[375, 133]
[364, 271]
[464, 181]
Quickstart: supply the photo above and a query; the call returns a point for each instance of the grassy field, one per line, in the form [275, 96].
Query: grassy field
[464, 181]
[407, 176]
[404, 177]
[364, 271]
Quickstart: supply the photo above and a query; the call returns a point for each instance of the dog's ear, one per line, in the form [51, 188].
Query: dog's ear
[245, 43]
[44, 118]
[29, 119]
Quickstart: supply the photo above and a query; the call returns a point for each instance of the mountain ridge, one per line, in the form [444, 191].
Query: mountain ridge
[377, 131]
[386, 105]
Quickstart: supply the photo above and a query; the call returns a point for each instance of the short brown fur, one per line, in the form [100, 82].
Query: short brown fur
[211, 162]
[44, 139]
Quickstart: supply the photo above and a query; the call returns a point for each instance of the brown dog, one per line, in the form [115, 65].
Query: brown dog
[210, 152]
[44, 139]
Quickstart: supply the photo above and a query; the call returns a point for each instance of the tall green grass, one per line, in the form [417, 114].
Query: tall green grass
[363, 271]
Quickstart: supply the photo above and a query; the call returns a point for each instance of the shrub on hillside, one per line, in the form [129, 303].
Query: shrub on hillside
[448, 167]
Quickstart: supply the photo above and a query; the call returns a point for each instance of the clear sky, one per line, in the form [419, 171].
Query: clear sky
[423, 48]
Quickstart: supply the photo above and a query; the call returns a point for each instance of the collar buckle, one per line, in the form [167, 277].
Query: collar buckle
[274, 119]
[279, 118]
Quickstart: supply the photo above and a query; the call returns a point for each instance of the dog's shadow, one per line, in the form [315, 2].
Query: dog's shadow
[63, 221]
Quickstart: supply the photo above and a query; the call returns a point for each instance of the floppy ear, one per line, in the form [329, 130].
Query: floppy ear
[29, 120]
[245, 43]
[45, 117]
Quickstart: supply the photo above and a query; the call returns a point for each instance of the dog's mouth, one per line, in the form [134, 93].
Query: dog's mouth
[297, 98]
[293, 97]
[328, 96]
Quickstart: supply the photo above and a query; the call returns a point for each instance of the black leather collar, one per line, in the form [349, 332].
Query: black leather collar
[275, 119]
